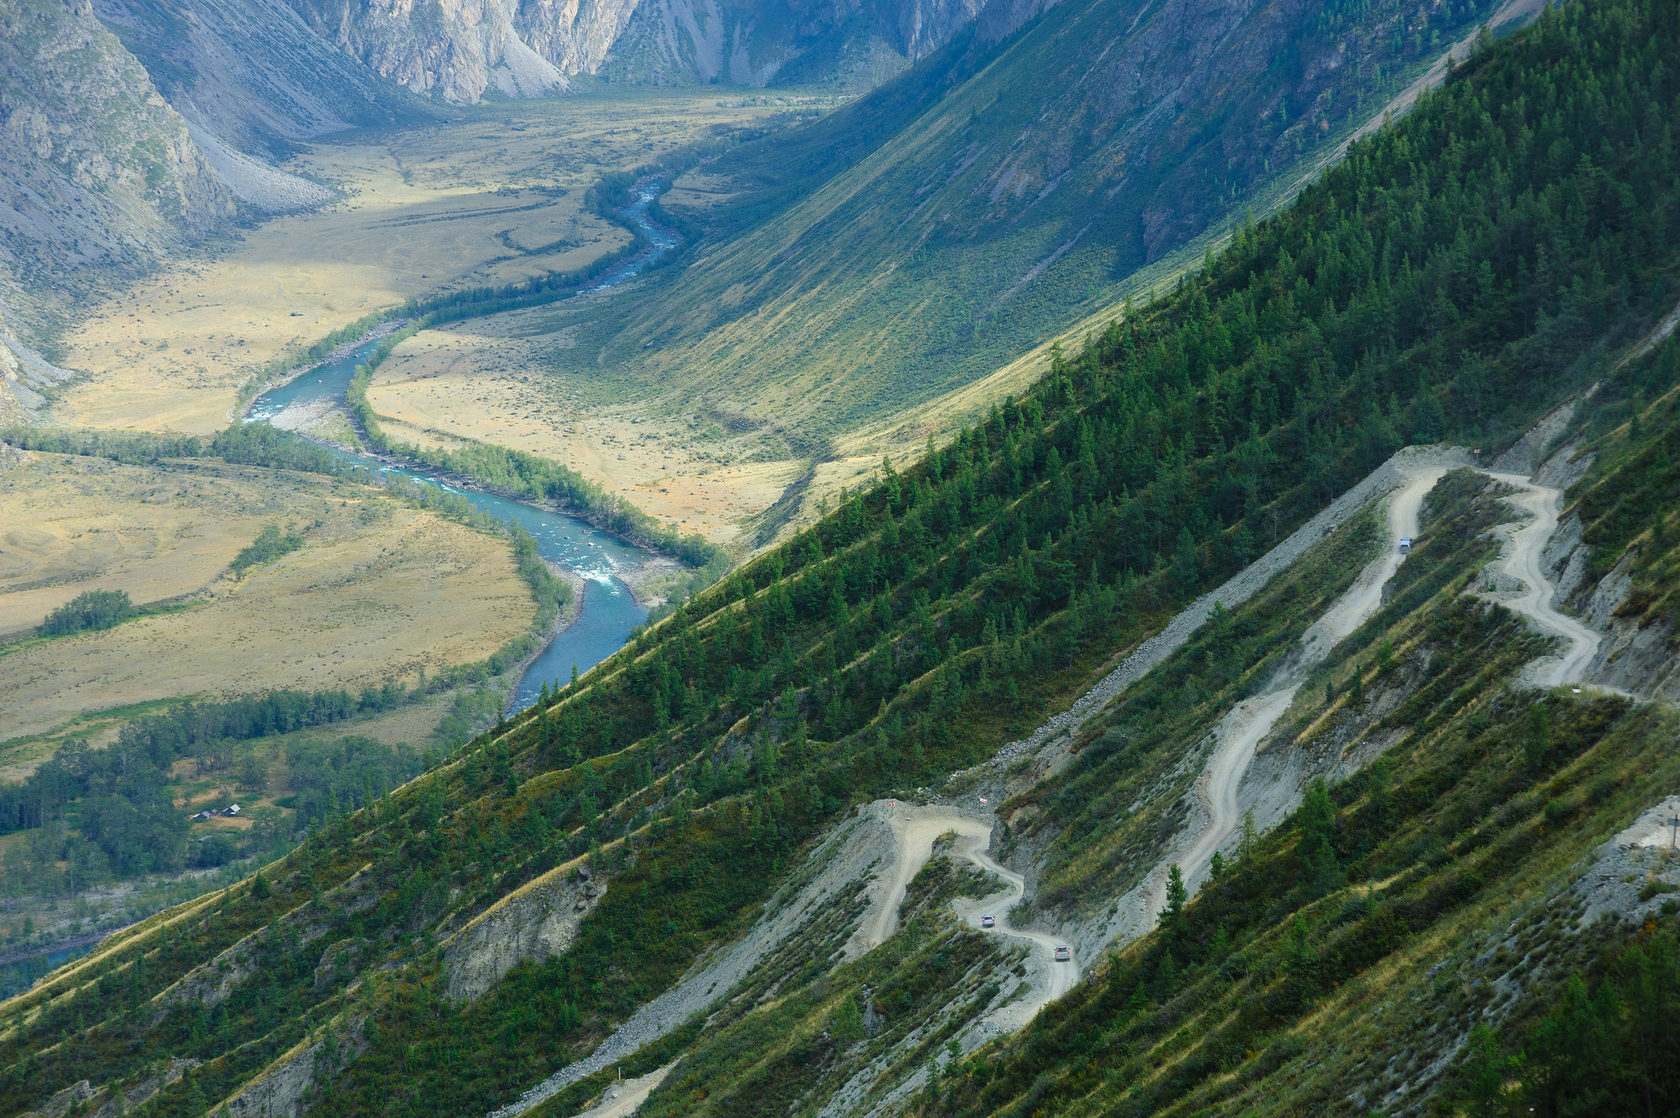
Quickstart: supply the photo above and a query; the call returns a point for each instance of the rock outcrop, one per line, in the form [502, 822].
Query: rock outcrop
[97, 169]
[250, 72]
[281, 1091]
[462, 50]
[535, 922]
[25, 376]
[454, 49]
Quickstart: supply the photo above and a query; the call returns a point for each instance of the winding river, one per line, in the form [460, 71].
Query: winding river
[608, 611]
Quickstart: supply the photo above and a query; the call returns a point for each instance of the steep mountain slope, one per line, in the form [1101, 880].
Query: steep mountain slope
[1458, 275]
[463, 51]
[857, 44]
[1013, 205]
[250, 72]
[99, 171]
[1407, 940]
[908, 245]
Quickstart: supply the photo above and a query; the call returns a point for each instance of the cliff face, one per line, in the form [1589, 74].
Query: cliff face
[849, 42]
[462, 50]
[99, 171]
[455, 49]
[251, 72]
[125, 128]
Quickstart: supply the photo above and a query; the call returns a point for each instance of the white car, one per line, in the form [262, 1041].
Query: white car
[1063, 955]
[988, 921]
[1405, 544]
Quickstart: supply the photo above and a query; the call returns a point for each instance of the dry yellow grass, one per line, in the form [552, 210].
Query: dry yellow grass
[70, 524]
[511, 380]
[499, 380]
[493, 197]
[379, 590]
[487, 380]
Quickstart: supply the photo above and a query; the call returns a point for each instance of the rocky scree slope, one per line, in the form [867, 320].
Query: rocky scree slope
[251, 73]
[100, 174]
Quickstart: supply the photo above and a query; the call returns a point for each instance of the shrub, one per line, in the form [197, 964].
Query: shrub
[91, 609]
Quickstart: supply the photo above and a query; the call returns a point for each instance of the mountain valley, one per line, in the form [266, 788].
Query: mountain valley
[1143, 537]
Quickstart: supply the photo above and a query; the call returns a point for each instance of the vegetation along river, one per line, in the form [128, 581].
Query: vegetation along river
[608, 610]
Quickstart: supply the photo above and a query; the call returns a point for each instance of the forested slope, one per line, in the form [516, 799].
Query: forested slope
[1456, 276]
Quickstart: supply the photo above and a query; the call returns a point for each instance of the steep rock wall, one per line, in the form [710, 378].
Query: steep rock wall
[535, 922]
[98, 169]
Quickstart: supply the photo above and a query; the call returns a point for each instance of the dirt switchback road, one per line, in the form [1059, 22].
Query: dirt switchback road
[914, 829]
[1521, 561]
[624, 1099]
[1240, 732]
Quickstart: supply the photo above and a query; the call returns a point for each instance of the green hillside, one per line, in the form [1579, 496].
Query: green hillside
[1457, 276]
[933, 232]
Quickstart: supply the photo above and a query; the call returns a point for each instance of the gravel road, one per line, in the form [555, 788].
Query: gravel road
[1521, 560]
[624, 1099]
[1240, 732]
[1406, 464]
[901, 837]
[914, 829]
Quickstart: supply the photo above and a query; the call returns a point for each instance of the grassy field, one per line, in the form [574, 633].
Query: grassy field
[75, 524]
[493, 197]
[381, 590]
[491, 380]
[513, 379]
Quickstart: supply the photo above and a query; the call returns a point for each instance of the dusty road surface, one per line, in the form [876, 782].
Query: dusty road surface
[1395, 473]
[624, 1099]
[1240, 732]
[915, 829]
[1054, 979]
[1521, 561]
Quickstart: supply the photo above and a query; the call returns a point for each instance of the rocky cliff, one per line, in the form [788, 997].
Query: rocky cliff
[250, 72]
[854, 44]
[131, 131]
[462, 50]
[99, 170]
[454, 49]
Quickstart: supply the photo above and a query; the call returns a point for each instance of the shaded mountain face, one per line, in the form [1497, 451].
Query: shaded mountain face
[249, 71]
[99, 170]
[853, 43]
[462, 50]
[930, 234]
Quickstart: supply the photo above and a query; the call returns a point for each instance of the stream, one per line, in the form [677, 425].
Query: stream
[608, 611]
